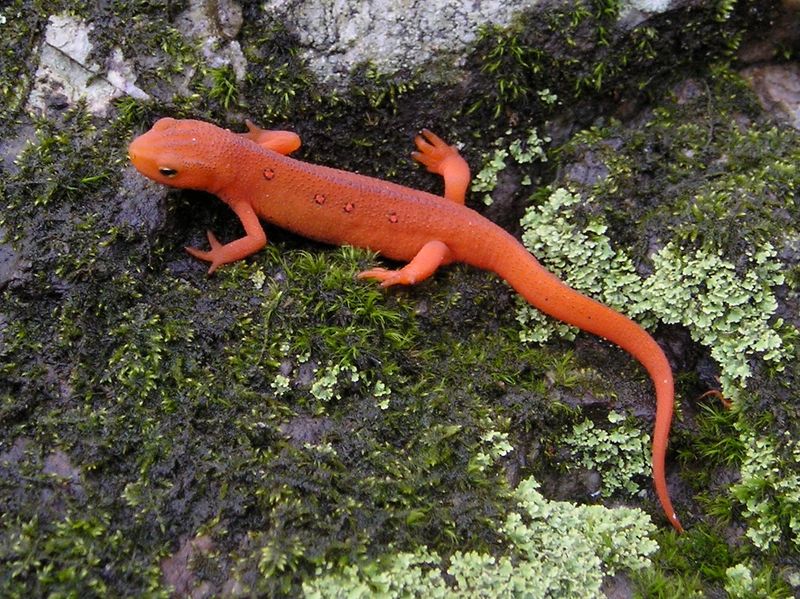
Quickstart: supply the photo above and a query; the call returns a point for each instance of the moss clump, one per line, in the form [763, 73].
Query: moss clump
[517, 64]
[550, 549]
[66, 558]
[223, 86]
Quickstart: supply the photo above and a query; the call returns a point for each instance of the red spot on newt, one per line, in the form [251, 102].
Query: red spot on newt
[392, 217]
[435, 230]
[269, 174]
[319, 199]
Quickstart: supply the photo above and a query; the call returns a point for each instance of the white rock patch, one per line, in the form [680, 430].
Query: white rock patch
[64, 70]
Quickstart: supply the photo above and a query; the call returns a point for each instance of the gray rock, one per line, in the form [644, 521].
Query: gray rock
[214, 24]
[340, 34]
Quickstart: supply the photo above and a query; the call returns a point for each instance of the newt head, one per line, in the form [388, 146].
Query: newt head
[185, 153]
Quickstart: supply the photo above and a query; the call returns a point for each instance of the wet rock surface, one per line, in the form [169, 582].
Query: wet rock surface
[778, 88]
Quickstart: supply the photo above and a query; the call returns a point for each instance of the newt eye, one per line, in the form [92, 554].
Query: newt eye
[167, 172]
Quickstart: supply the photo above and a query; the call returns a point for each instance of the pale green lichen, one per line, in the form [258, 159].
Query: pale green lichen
[281, 384]
[553, 549]
[324, 387]
[522, 151]
[739, 581]
[769, 490]
[793, 577]
[497, 446]
[620, 455]
[529, 150]
[258, 278]
[381, 392]
[486, 179]
[321, 448]
[742, 582]
[728, 312]
[547, 97]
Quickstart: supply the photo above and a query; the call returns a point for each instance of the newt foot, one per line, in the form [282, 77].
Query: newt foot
[433, 152]
[387, 277]
[214, 255]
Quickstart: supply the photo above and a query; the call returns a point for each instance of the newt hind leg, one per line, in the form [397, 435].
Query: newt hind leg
[432, 255]
[443, 159]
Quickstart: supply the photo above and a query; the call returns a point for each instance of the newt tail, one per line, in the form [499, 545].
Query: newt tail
[545, 292]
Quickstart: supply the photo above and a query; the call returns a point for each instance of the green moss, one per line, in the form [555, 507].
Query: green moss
[66, 151]
[517, 67]
[724, 9]
[716, 443]
[143, 30]
[66, 558]
[279, 85]
[223, 86]
[511, 63]
[16, 45]
[724, 180]
[382, 90]
[687, 565]
[517, 63]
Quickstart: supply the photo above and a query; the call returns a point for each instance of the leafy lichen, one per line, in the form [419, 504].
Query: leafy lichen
[551, 549]
[732, 314]
[769, 490]
[521, 151]
[621, 454]
[742, 582]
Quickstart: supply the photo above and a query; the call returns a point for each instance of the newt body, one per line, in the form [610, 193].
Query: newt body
[253, 175]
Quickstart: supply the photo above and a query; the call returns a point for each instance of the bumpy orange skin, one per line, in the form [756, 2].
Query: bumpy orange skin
[253, 175]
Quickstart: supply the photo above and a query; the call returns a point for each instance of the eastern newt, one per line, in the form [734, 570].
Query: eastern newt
[253, 174]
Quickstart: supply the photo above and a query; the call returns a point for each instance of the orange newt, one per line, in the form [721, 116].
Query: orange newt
[252, 173]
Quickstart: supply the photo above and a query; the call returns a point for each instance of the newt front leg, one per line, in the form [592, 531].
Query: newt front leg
[219, 254]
